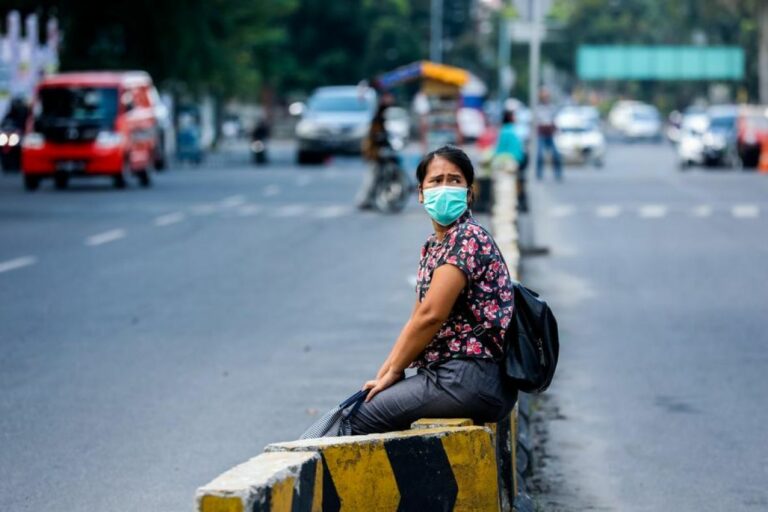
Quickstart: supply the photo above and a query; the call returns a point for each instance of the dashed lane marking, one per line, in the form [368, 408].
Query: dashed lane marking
[608, 211]
[653, 211]
[232, 201]
[249, 209]
[16, 263]
[290, 210]
[105, 238]
[562, 211]
[745, 211]
[701, 211]
[271, 190]
[332, 211]
[169, 218]
[203, 209]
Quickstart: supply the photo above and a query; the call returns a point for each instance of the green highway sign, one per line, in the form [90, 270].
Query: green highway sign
[660, 62]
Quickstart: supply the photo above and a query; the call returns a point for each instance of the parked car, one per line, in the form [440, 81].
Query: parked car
[579, 137]
[91, 124]
[471, 123]
[690, 144]
[335, 120]
[398, 123]
[636, 121]
[751, 134]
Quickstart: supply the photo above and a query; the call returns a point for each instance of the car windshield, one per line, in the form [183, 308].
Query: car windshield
[79, 103]
[645, 114]
[574, 129]
[722, 123]
[334, 103]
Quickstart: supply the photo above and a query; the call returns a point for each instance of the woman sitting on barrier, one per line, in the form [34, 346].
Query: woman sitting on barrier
[455, 332]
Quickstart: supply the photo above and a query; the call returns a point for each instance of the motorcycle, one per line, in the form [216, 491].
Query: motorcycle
[392, 186]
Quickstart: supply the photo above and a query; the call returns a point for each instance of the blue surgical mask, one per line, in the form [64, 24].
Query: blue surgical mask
[445, 204]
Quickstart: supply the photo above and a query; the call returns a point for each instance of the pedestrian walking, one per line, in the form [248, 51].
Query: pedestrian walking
[510, 156]
[545, 122]
[464, 303]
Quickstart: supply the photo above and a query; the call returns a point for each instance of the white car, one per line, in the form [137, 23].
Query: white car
[690, 144]
[578, 137]
[471, 123]
[636, 121]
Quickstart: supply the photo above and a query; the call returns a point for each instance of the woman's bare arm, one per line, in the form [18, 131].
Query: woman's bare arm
[428, 316]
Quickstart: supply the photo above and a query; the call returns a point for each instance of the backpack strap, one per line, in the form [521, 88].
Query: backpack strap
[480, 332]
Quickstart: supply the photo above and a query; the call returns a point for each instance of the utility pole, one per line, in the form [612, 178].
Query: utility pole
[533, 78]
[505, 70]
[436, 31]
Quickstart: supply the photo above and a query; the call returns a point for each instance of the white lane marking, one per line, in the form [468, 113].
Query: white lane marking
[290, 210]
[701, 211]
[15, 263]
[232, 201]
[745, 211]
[332, 211]
[105, 238]
[608, 211]
[271, 190]
[203, 209]
[412, 280]
[303, 181]
[169, 218]
[562, 210]
[653, 211]
[249, 209]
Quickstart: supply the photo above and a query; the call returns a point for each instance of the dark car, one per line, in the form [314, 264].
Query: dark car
[719, 139]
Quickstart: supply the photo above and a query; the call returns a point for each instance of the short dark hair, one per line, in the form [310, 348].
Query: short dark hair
[454, 155]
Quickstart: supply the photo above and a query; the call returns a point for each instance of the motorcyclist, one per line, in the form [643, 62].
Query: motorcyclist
[375, 141]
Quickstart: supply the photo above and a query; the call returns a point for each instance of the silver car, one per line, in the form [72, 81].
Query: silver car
[336, 120]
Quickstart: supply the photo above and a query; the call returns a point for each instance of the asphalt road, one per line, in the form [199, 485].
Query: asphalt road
[151, 339]
[658, 279]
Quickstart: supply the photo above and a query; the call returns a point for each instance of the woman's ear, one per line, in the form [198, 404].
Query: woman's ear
[421, 195]
[470, 196]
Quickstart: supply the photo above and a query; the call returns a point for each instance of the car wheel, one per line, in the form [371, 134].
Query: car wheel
[302, 157]
[120, 180]
[31, 183]
[61, 181]
[145, 180]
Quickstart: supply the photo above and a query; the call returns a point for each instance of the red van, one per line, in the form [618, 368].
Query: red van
[92, 124]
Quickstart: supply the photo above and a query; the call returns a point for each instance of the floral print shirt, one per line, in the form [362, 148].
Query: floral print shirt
[488, 292]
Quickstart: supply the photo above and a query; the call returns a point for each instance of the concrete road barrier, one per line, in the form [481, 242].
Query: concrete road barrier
[451, 468]
[271, 482]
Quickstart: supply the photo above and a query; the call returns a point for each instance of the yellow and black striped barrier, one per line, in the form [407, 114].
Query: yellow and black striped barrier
[271, 482]
[452, 468]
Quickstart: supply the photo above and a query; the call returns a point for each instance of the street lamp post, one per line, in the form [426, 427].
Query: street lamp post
[436, 31]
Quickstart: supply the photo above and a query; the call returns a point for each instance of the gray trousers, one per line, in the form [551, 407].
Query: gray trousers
[457, 388]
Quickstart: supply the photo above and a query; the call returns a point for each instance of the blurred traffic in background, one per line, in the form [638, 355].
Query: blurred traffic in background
[209, 231]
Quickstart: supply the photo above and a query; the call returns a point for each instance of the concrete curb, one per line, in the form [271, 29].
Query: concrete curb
[504, 227]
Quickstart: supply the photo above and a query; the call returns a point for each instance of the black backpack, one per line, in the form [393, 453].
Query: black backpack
[531, 344]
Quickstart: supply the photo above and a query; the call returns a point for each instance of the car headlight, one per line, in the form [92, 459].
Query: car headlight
[33, 140]
[108, 140]
[14, 139]
[3, 139]
[306, 128]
